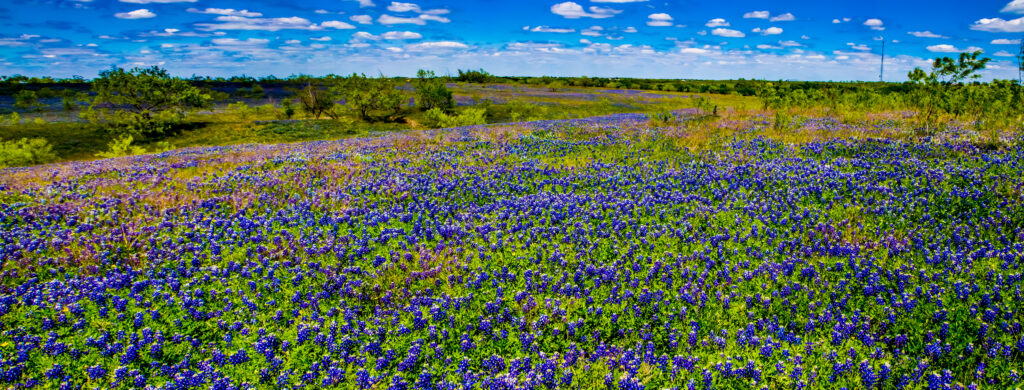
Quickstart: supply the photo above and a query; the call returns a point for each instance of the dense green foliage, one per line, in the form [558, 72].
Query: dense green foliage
[24, 152]
[143, 101]
[431, 92]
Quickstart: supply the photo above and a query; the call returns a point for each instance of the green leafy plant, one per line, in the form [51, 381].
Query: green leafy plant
[373, 99]
[431, 92]
[470, 116]
[315, 100]
[144, 101]
[120, 147]
[25, 152]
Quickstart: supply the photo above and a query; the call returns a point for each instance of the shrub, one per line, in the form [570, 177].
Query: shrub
[371, 98]
[471, 116]
[25, 152]
[121, 147]
[143, 101]
[432, 92]
[315, 100]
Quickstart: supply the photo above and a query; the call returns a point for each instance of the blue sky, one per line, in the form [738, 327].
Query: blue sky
[800, 40]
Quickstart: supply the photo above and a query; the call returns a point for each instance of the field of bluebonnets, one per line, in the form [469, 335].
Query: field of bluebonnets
[609, 252]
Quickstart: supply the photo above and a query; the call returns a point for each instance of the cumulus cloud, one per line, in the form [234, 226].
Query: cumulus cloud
[437, 45]
[693, 50]
[1015, 6]
[419, 20]
[394, 35]
[856, 46]
[629, 29]
[945, 48]
[1003, 53]
[843, 20]
[239, 42]
[925, 34]
[717, 22]
[1003, 41]
[786, 17]
[361, 19]
[337, 24]
[320, 39]
[593, 31]
[365, 3]
[137, 14]
[659, 20]
[226, 11]
[403, 7]
[874, 24]
[757, 15]
[724, 32]
[768, 31]
[263, 24]
[618, 1]
[571, 10]
[999, 25]
[412, 7]
[546, 29]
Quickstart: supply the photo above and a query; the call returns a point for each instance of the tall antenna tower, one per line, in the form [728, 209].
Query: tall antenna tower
[881, 67]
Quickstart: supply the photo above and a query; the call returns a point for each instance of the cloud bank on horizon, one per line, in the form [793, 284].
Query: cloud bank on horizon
[800, 40]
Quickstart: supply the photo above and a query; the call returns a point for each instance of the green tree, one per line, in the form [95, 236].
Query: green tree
[371, 98]
[964, 68]
[27, 99]
[315, 100]
[431, 92]
[25, 152]
[145, 101]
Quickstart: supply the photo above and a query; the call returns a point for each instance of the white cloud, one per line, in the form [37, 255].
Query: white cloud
[293, 41]
[768, 31]
[365, 3]
[943, 48]
[860, 47]
[337, 24]
[1003, 53]
[786, 17]
[659, 20]
[593, 31]
[757, 15]
[1015, 6]
[629, 29]
[263, 24]
[546, 29]
[437, 45]
[320, 11]
[874, 24]
[361, 19]
[925, 34]
[790, 44]
[724, 32]
[225, 11]
[999, 25]
[320, 39]
[694, 50]
[156, 1]
[837, 21]
[618, 1]
[1003, 41]
[717, 22]
[389, 20]
[401, 35]
[434, 17]
[239, 42]
[403, 7]
[571, 10]
[137, 14]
